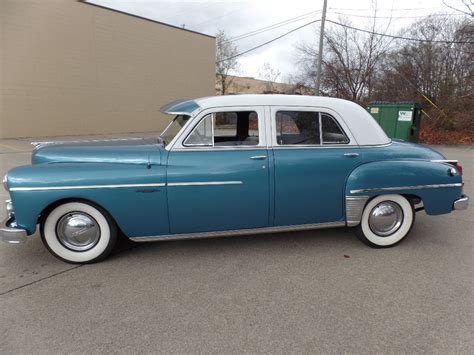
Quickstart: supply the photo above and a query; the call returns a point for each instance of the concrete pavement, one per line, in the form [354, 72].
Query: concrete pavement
[318, 291]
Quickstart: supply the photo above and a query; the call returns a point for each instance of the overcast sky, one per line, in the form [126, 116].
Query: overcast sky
[240, 17]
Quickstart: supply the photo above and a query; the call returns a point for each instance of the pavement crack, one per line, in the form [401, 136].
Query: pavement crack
[39, 280]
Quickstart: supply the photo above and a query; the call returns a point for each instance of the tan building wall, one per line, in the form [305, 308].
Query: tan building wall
[70, 68]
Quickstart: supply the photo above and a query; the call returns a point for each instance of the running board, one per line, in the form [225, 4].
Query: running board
[239, 232]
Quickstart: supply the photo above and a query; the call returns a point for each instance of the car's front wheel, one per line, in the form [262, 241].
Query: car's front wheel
[386, 220]
[79, 232]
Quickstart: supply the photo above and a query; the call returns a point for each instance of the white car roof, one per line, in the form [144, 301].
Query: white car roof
[363, 127]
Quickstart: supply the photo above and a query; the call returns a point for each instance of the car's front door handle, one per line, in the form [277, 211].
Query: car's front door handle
[259, 157]
[351, 155]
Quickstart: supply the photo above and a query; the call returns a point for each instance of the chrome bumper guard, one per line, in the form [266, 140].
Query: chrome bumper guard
[461, 203]
[12, 235]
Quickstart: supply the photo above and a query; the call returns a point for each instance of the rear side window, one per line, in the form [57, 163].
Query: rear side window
[297, 127]
[308, 128]
[332, 132]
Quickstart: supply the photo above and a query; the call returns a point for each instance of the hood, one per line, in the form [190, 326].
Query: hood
[117, 151]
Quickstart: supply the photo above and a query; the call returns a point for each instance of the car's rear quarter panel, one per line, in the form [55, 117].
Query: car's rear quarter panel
[408, 177]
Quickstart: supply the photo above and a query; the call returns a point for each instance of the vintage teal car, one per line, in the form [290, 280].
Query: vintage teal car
[230, 165]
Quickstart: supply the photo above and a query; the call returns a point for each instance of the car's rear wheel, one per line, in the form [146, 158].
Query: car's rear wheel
[386, 220]
[79, 232]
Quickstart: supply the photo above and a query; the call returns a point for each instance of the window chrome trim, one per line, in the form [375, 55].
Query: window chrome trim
[239, 232]
[178, 145]
[414, 187]
[215, 149]
[273, 143]
[84, 187]
[204, 183]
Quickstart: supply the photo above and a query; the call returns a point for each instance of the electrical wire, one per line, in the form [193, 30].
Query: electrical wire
[399, 37]
[393, 17]
[273, 26]
[268, 42]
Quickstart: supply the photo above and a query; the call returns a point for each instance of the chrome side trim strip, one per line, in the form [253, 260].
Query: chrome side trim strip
[446, 161]
[239, 232]
[38, 145]
[204, 183]
[82, 187]
[415, 187]
[354, 208]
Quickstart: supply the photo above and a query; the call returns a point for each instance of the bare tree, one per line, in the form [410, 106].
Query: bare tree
[350, 60]
[438, 71]
[226, 60]
[468, 4]
[270, 75]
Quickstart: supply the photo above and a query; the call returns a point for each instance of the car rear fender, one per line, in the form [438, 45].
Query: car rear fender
[437, 184]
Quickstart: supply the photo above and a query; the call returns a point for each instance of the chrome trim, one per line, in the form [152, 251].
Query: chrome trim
[78, 231]
[11, 235]
[385, 218]
[351, 155]
[204, 183]
[84, 187]
[5, 182]
[416, 187]
[461, 203]
[259, 157]
[354, 208]
[446, 161]
[38, 145]
[239, 232]
[218, 148]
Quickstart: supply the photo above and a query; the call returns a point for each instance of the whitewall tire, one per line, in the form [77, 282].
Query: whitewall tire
[79, 232]
[386, 220]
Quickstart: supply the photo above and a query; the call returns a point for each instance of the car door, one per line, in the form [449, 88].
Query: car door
[314, 153]
[217, 173]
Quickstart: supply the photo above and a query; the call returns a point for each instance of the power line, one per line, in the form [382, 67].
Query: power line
[273, 26]
[399, 37]
[372, 9]
[268, 42]
[396, 17]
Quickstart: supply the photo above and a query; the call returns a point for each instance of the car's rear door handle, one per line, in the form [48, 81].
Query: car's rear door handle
[259, 157]
[351, 155]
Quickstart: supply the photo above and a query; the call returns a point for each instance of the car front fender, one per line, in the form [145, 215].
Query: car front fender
[134, 195]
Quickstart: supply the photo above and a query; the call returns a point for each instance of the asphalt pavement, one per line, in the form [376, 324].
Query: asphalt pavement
[308, 292]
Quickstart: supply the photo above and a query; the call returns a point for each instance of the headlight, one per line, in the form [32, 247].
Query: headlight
[5, 182]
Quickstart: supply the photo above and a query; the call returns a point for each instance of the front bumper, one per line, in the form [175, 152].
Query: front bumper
[461, 203]
[9, 233]
[9, 230]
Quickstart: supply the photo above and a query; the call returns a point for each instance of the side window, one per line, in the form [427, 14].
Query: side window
[297, 127]
[202, 134]
[332, 132]
[237, 128]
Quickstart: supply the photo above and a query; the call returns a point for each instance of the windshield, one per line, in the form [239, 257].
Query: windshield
[173, 128]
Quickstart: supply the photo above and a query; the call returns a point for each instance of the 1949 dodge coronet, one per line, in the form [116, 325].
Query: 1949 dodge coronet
[230, 165]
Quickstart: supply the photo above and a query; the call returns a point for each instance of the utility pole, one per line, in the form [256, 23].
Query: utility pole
[320, 52]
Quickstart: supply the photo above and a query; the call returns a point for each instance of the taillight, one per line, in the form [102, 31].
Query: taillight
[459, 168]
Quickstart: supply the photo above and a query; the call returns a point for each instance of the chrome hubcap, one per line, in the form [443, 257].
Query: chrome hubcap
[386, 218]
[78, 231]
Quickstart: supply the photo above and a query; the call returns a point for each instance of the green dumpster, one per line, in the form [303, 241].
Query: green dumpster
[398, 119]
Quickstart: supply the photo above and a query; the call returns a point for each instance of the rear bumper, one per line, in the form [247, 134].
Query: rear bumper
[9, 233]
[461, 203]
